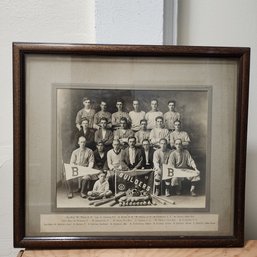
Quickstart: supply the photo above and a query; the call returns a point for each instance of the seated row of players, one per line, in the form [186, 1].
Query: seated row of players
[106, 135]
[133, 117]
[132, 158]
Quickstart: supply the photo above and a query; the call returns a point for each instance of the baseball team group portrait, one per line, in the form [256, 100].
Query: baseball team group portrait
[132, 148]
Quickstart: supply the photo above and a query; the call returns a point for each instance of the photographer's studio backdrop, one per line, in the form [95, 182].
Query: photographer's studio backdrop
[196, 22]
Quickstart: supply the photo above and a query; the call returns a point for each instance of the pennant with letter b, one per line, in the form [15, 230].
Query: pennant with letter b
[170, 172]
[75, 171]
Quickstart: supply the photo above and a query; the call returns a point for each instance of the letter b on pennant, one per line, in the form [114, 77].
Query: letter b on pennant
[75, 171]
[170, 172]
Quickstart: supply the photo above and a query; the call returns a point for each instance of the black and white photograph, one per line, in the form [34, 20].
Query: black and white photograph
[138, 144]
[122, 148]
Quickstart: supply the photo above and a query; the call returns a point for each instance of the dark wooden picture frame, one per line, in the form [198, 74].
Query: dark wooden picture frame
[22, 96]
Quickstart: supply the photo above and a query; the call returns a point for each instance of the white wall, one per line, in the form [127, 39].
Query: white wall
[129, 22]
[229, 23]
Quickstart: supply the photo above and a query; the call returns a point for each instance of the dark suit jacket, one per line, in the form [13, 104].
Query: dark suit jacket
[89, 135]
[150, 160]
[125, 162]
[100, 163]
[107, 139]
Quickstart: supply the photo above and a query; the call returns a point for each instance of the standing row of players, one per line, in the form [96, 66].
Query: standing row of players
[153, 125]
[133, 117]
[113, 135]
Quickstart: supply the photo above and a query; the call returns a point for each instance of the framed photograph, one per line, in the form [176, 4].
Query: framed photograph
[129, 146]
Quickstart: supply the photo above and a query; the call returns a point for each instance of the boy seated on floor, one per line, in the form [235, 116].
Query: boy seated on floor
[100, 189]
